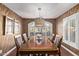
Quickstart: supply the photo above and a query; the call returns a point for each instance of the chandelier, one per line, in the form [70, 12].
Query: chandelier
[39, 21]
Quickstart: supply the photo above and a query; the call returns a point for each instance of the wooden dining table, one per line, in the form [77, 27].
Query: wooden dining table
[31, 47]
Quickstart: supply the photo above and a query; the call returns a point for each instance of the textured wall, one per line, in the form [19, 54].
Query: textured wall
[7, 41]
[59, 20]
[26, 21]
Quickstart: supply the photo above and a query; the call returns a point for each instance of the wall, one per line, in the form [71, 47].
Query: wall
[59, 26]
[26, 21]
[6, 41]
[59, 20]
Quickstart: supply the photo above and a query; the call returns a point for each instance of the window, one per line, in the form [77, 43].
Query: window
[45, 30]
[17, 27]
[9, 26]
[71, 30]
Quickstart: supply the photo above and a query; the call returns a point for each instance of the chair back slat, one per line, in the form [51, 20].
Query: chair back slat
[24, 37]
[58, 40]
[53, 37]
[18, 40]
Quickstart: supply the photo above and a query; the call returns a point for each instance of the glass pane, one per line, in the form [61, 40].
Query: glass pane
[17, 28]
[66, 31]
[9, 26]
[72, 30]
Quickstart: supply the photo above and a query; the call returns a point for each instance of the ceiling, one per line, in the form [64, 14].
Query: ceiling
[48, 10]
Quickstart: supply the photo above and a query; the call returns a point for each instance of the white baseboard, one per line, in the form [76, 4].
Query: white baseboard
[69, 51]
[7, 53]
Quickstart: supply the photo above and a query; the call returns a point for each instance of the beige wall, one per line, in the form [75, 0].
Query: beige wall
[6, 41]
[59, 20]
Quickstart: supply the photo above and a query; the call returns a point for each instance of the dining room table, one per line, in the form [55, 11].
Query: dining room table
[31, 47]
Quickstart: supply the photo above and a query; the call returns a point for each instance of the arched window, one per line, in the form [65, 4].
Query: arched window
[45, 30]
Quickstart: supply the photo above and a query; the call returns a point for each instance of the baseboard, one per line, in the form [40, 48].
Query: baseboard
[76, 51]
[7, 53]
[69, 51]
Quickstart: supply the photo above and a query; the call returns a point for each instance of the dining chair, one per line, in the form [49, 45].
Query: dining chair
[57, 42]
[18, 42]
[24, 36]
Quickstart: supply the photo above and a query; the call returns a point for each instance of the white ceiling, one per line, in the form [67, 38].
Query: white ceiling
[48, 10]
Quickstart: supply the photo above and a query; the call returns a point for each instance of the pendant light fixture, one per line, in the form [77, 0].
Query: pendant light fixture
[39, 21]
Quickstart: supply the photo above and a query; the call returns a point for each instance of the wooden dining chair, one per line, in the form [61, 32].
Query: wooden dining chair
[53, 38]
[24, 36]
[18, 42]
[57, 42]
